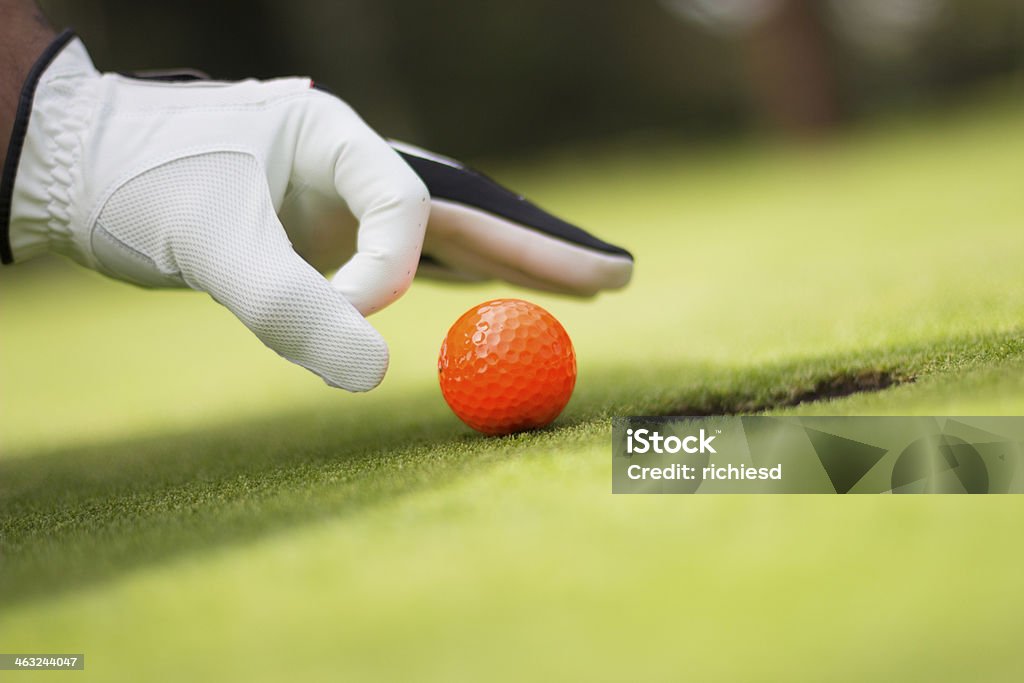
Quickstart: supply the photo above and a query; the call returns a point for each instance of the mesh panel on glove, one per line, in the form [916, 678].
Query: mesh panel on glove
[210, 218]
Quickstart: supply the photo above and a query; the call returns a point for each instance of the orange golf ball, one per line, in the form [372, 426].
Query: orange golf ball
[506, 366]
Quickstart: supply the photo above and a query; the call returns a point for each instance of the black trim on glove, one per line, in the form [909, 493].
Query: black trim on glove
[472, 188]
[167, 75]
[18, 133]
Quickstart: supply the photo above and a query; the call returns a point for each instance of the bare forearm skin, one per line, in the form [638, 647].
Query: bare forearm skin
[24, 35]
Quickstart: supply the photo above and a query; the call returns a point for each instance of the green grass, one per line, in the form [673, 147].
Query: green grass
[178, 503]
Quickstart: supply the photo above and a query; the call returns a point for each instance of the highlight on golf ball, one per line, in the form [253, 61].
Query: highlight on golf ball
[506, 366]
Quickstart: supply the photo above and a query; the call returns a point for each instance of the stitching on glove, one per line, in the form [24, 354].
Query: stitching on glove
[164, 109]
[127, 249]
[157, 162]
[28, 92]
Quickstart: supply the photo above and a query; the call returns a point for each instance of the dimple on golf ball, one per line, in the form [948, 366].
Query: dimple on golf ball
[506, 366]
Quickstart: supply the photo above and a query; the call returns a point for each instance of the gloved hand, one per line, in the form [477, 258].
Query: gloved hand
[180, 184]
[478, 230]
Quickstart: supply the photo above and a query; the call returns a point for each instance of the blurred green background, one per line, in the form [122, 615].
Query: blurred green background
[177, 502]
[487, 78]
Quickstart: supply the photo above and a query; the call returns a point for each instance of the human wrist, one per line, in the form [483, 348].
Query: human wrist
[24, 36]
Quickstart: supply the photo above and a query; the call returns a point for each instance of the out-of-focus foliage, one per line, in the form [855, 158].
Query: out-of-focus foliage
[493, 77]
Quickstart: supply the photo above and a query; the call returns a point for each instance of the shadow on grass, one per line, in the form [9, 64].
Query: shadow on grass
[77, 516]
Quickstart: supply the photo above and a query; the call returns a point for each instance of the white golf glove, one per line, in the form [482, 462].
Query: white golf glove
[167, 184]
[478, 230]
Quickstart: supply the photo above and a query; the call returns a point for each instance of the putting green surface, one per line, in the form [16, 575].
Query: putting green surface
[178, 503]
